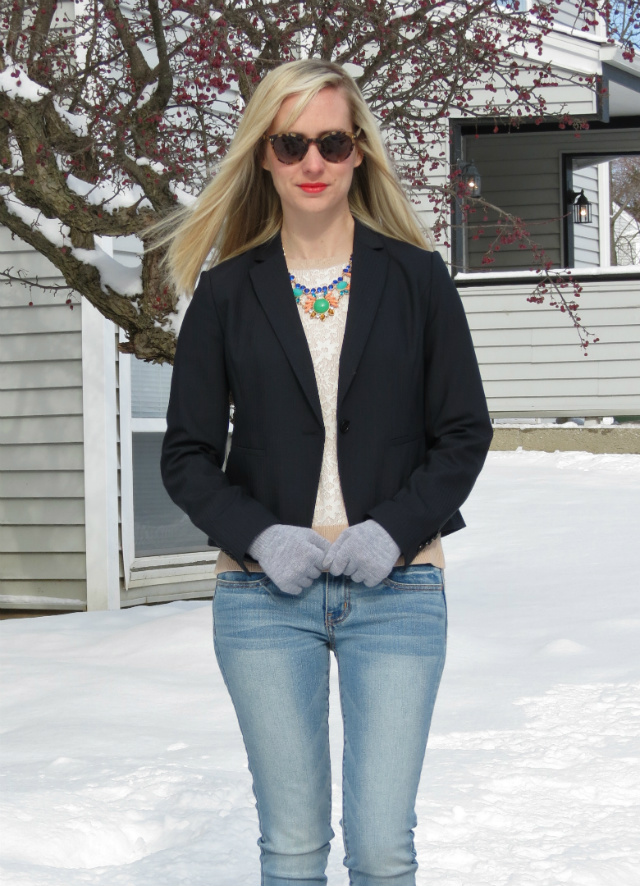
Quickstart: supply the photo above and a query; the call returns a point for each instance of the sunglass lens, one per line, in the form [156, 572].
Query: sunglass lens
[336, 147]
[289, 148]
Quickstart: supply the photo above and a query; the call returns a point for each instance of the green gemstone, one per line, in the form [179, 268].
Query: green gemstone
[320, 305]
[341, 284]
[298, 291]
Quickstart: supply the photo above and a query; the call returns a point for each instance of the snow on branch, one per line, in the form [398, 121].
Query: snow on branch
[16, 84]
[123, 279]
[53, 229]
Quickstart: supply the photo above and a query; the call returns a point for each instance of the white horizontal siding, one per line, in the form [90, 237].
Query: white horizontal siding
[41, 318]
[42, 534]
[29, 565]
[41, 484]
[57, 373]
[41, 429]
[40, 347]
[42, 457]
[41, 401]
[531, 359]
[37, 511]
[42, 539]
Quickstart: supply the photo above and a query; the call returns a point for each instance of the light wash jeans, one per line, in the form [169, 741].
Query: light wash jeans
[273, 651]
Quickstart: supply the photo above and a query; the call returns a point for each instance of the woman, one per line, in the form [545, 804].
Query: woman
[360, 426]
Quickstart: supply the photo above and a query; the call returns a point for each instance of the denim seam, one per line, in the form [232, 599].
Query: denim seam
[328, 686]
[230, 583]
[400, 586]
[345, 838]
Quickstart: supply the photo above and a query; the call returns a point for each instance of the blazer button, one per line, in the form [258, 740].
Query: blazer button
[344, 425]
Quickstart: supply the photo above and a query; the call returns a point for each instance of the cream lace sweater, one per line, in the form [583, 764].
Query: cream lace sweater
[325, 339]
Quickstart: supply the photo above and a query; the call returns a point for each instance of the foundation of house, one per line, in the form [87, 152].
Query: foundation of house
[623, 438]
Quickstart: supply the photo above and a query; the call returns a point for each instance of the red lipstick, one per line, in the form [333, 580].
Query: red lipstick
[313, 187]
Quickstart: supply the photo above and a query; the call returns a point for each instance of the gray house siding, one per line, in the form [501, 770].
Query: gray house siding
[531, 360]
[587, 252]
[42, 532]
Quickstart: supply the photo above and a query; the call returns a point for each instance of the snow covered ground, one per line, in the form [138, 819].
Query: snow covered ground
[123, 764]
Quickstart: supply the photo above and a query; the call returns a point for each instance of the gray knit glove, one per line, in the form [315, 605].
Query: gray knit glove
[365, 551]
[290, 555]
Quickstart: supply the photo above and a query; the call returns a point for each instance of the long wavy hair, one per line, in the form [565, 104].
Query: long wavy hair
[240, 208]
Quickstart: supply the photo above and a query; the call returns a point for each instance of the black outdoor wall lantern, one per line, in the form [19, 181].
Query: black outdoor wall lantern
[471, 177]
[581, 208]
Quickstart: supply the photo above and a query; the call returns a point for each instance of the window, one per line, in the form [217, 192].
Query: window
[611, 183]
[160, 527]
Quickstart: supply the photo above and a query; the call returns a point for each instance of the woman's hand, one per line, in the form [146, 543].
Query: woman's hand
[290, 555]
[365, 551]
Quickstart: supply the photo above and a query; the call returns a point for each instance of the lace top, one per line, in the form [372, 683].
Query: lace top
[325, 338]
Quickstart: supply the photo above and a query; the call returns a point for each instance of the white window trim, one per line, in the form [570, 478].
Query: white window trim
[140, 572]
[99, 418]
[150, 425]
[614, 271]
[604, 217]
[126, 465]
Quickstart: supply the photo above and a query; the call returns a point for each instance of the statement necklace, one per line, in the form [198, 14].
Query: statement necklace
[321, 301]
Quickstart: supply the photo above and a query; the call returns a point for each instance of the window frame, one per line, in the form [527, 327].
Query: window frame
[604, 231]
[153, 569]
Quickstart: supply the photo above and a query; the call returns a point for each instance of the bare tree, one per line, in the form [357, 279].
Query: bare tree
[113, 111]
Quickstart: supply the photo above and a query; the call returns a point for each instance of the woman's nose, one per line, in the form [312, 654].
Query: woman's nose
[312, 160]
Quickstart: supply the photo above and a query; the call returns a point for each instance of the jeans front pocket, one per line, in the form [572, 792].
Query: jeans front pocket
[238, 582]
[239, 578]
[415, 578]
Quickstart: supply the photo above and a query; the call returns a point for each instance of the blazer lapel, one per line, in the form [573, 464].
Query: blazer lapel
[270, 279]
[369, 274]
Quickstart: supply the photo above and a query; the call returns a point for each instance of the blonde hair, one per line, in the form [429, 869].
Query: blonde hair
[240, 208]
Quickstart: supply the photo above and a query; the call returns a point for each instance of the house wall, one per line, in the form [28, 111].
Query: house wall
[530, 356]
[42, 515]
[587, 251]
[522, 173]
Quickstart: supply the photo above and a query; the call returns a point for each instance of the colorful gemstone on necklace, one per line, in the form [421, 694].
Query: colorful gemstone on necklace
[320, 301]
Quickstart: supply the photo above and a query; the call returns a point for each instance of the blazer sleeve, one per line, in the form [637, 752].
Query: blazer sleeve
[457, 425]
[194, 445]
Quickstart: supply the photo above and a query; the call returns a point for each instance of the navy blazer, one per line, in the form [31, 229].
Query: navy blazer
[413, 426]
